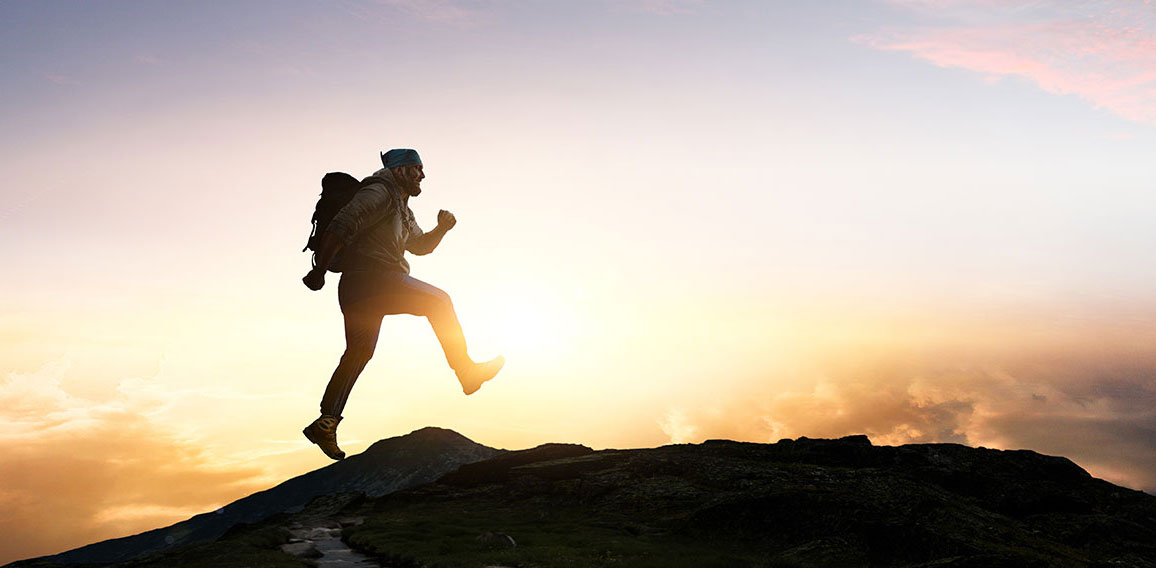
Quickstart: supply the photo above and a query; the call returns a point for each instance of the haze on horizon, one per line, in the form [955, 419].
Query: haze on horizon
[920, 220]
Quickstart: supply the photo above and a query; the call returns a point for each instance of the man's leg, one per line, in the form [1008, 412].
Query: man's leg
[362, 326]
[408, 295]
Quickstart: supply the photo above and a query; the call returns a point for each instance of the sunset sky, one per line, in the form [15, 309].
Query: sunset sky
[920, 220]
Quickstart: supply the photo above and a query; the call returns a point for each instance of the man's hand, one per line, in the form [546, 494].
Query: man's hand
[315, 279]
[446, 220]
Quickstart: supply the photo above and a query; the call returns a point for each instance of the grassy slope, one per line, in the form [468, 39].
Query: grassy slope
[446, 535]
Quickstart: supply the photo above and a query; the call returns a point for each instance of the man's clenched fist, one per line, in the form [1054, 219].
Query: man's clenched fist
[446, 220]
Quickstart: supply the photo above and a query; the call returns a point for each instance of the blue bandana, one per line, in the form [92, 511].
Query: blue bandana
[400, 157]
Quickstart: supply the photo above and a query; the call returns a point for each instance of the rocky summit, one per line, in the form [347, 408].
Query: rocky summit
[804, 502]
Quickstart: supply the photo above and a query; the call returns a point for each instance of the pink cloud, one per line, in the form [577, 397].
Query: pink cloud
[1103, 52]
[663, 7]
[60, 79]
[447, 12]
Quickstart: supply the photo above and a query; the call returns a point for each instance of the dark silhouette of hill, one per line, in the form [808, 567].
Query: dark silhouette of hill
[799, 502]
[388, 465]
[837, 503]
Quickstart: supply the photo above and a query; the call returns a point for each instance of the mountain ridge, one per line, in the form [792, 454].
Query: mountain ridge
[797, 502]
[802, 502]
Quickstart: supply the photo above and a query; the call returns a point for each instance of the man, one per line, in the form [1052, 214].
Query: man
[372, 234]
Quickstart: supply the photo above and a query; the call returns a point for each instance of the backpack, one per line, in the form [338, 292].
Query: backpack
[337, 188]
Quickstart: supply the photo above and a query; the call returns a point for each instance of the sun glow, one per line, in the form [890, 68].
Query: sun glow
[523, 323]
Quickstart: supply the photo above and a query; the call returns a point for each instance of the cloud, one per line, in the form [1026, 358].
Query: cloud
[471, 13]
[937, 5]
[77, 471]
[662, 7]
[447, 12]
[149, 59]
[60, 79]
[677, 427]
[1103, 51]
[1098, 409]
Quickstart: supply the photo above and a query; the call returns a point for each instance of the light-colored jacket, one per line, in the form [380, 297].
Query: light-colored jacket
[377, 227]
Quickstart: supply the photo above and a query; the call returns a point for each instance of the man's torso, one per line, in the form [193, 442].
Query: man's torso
[377, 223]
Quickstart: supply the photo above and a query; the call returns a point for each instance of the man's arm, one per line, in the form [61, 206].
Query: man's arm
[425, 243]
[363, 210]
[330, 244]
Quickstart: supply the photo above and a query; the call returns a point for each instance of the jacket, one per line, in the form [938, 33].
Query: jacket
[377, 226]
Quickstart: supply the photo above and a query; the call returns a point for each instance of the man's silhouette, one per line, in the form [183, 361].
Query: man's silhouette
[373, 232]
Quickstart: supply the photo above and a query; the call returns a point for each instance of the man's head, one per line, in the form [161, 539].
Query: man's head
[406, 167]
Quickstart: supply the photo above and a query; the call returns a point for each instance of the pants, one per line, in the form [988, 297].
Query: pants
[365, 298]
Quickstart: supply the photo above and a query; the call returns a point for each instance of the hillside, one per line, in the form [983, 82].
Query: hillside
[388, 465]
[795, 503]
[802, 502]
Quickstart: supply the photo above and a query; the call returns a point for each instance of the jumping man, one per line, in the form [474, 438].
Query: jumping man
[373, 232]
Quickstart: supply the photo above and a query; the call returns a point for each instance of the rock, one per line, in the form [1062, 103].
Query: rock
[324, 532]
[497, 538]
[350, 521]
[305, 549]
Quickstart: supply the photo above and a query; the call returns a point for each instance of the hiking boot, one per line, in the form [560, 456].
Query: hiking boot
[478, 373]
[323, 432]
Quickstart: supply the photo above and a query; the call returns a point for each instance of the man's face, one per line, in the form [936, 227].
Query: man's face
[410, 177]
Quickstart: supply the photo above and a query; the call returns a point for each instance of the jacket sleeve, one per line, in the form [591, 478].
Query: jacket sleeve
[416, 241]
[367, 207]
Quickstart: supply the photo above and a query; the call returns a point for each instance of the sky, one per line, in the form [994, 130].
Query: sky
[920, 220]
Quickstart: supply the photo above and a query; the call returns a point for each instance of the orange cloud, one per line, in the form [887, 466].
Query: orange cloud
[1103, 52]
[1094, 404]
[77, 471]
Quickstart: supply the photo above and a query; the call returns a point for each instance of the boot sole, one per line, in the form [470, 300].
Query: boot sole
[339, 456]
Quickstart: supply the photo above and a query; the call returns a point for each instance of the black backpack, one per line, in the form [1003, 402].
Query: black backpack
[337, 188]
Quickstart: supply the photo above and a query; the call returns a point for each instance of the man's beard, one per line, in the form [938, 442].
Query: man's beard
[411, 187]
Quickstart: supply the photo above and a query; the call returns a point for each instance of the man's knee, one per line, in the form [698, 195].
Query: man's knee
[445, 301]
[439, 302]
[358, 354]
